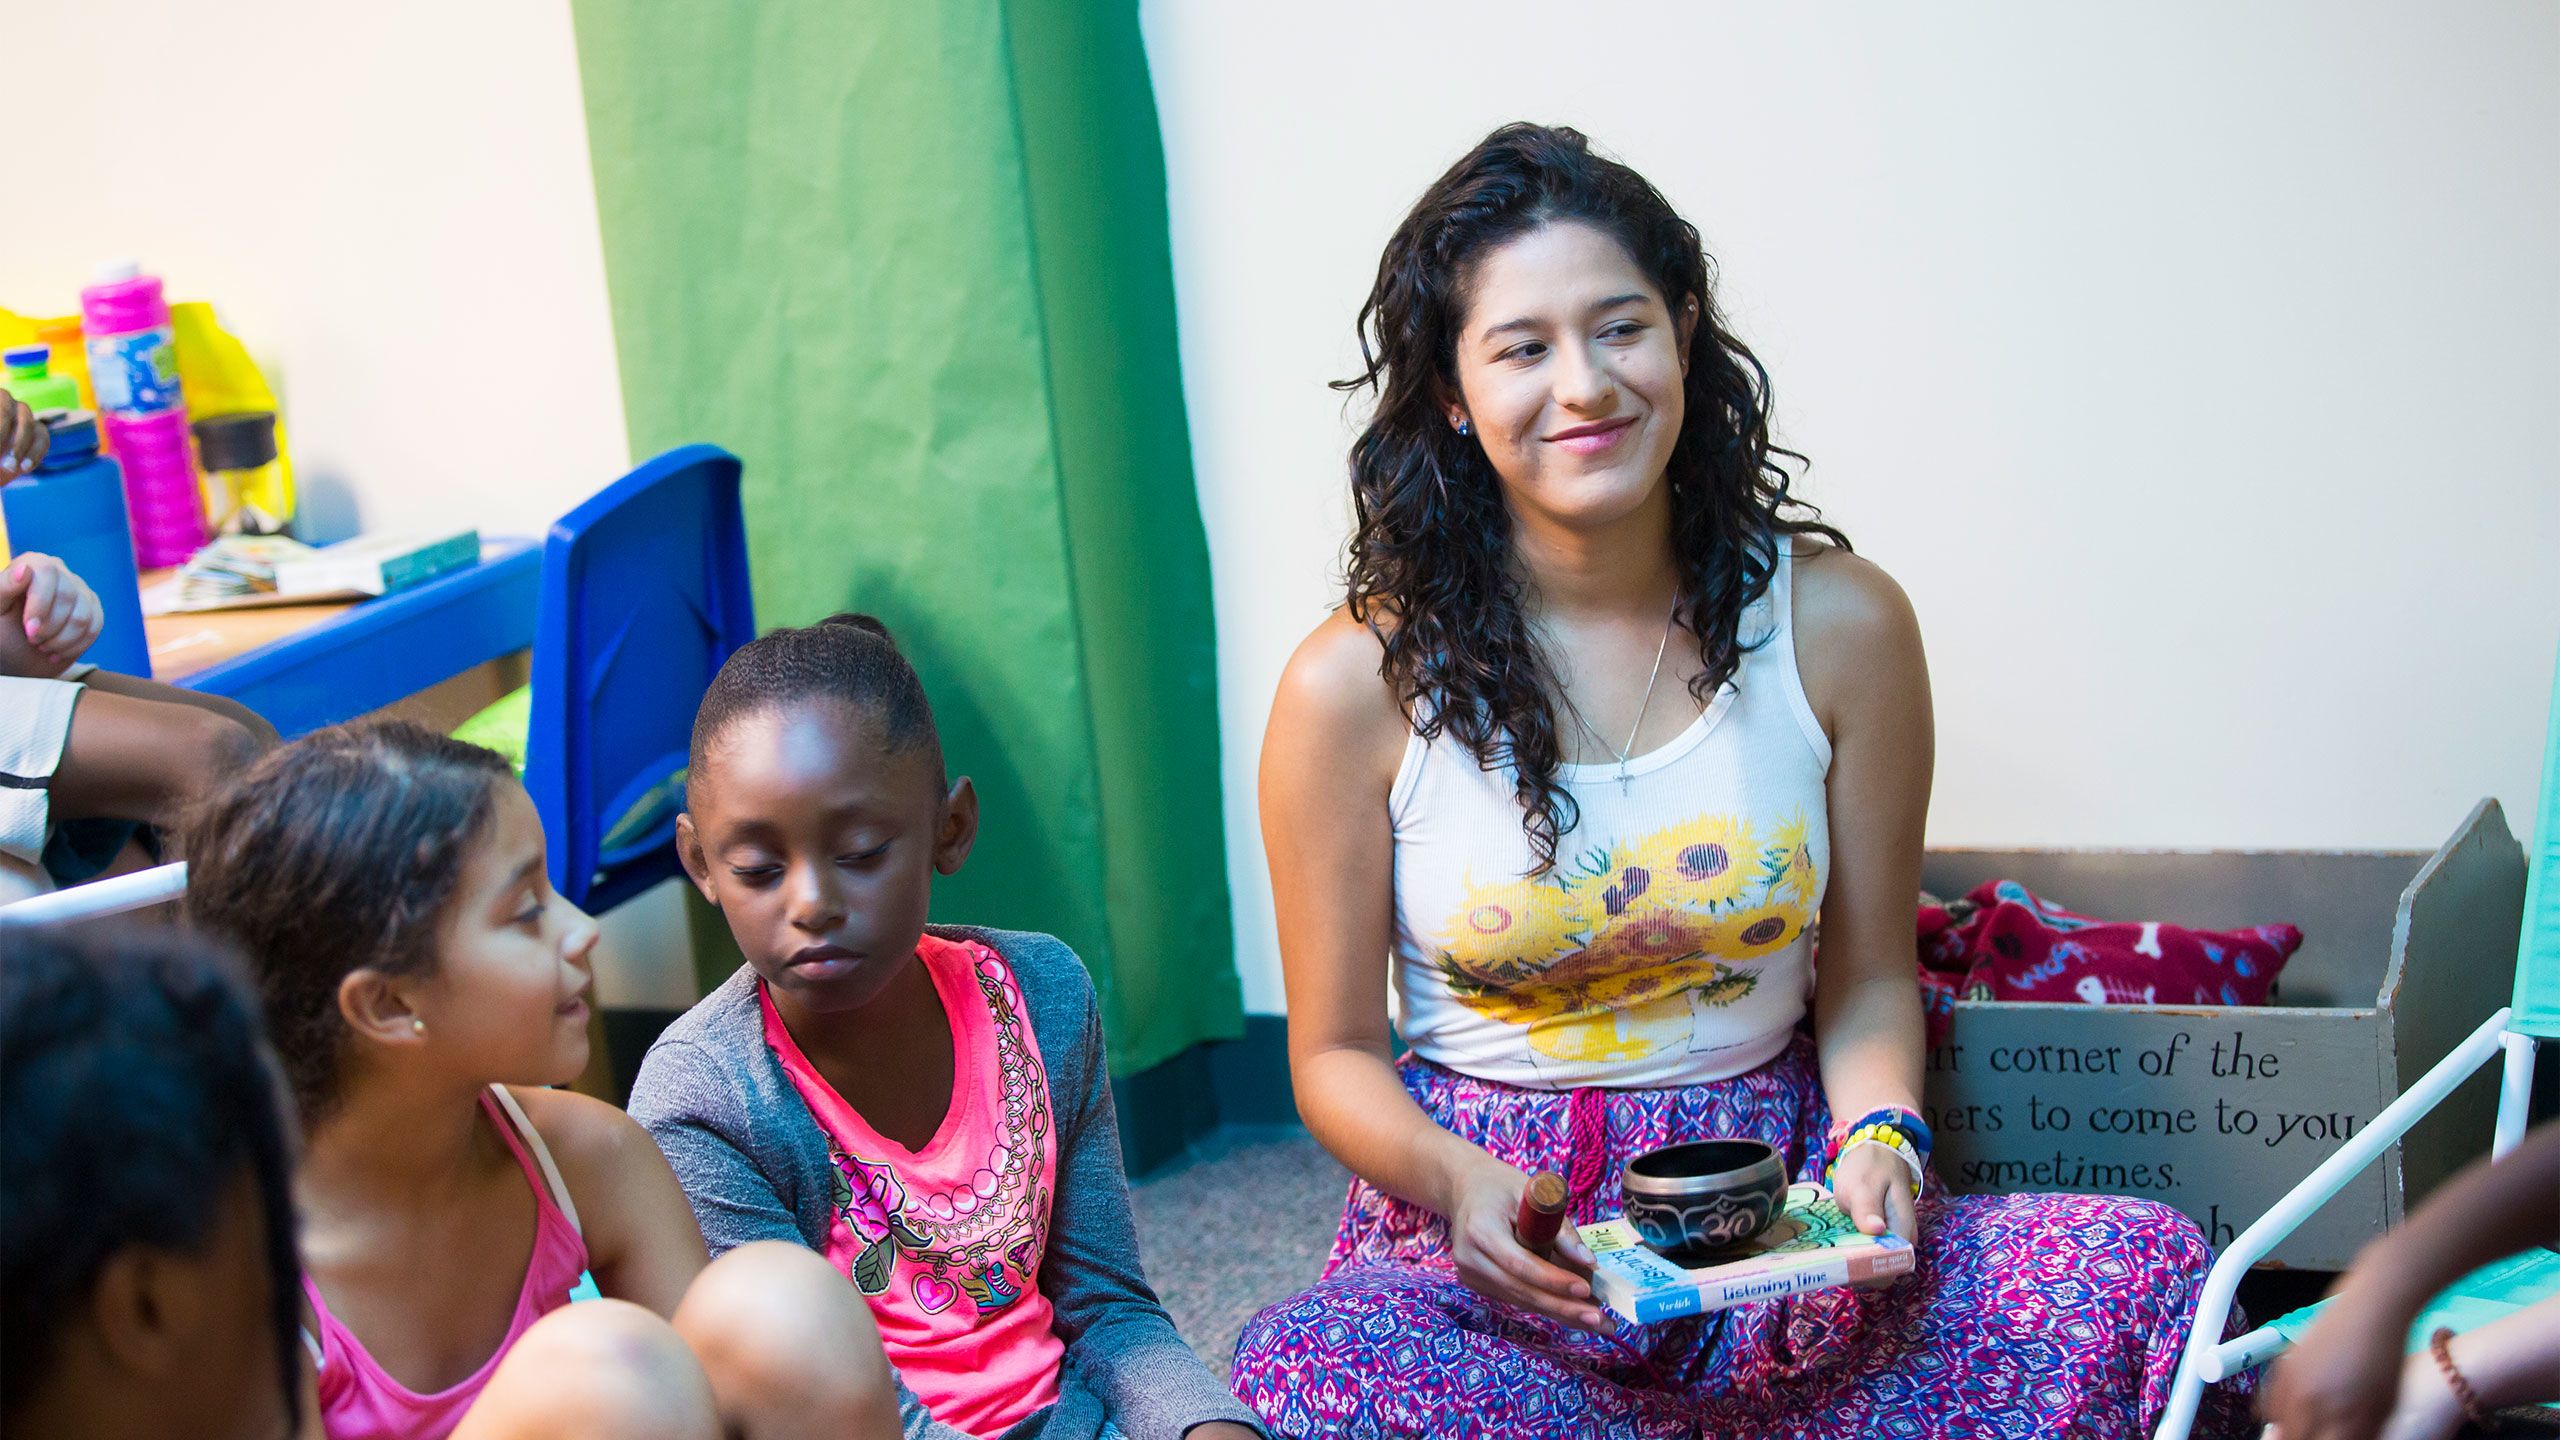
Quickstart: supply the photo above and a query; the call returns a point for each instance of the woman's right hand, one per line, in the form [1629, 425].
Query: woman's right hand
[1493, 1263]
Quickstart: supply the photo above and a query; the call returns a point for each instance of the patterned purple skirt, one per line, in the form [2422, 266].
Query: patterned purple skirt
[2029, 1315]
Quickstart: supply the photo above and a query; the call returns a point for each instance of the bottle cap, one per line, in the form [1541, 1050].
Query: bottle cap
[117, 271]
[75, 439]
[243, 440]
[30, 358]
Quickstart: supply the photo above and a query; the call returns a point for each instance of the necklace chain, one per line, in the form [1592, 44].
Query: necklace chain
[1626, 752]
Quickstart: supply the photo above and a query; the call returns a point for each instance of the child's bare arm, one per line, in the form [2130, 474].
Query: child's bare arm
[642, 1242]
[109, 682]
[141, 759]
[2484, 1212]
[2343, 1381]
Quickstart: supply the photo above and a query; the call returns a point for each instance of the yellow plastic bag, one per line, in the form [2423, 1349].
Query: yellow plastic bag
[218, 378]
[216, 375]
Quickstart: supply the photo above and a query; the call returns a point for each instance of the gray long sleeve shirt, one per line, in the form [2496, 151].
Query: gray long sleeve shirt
[753, 1163]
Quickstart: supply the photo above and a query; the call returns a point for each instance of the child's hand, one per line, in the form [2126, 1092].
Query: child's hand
[22, 437]
[1493, 1263]
[48, 616]
[1873, 1186]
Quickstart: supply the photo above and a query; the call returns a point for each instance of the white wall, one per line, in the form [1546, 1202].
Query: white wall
[2193, 366]
[391, 206]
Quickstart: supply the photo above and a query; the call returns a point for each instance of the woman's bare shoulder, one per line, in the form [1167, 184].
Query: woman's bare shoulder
[1843, 600]
[1338, 672]
[1334, 693]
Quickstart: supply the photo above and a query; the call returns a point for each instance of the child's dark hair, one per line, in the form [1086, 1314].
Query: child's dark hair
[337, 852]
[133, 1082]
[851, 658]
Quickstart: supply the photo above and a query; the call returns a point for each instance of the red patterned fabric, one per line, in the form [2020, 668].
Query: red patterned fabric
[2003, 942]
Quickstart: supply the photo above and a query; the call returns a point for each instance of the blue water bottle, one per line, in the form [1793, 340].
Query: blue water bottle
[73, 508]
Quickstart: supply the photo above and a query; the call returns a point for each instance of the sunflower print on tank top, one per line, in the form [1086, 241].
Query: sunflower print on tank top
[1616, 952]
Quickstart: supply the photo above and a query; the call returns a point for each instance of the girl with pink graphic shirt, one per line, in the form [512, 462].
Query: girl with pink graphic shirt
[926, 1106]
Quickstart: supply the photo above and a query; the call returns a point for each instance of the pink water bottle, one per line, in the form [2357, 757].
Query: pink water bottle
[133, 367]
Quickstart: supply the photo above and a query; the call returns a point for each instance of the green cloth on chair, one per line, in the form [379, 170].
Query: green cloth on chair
[2492, 1292]
[501, 726]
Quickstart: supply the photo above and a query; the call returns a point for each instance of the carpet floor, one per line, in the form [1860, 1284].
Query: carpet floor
[1243, 1220]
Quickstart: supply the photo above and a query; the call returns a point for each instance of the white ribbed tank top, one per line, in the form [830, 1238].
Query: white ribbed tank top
[1667, 946]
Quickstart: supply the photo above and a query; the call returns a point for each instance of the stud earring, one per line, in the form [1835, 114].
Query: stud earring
[418, 1025]
[1465, 429]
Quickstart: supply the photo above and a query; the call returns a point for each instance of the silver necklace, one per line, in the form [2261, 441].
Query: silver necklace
[1626, 752]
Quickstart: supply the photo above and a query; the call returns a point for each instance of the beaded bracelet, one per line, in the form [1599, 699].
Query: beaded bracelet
[1913, 1128]
[1885, 1136]
[2437, 1345]
[1896, 1129]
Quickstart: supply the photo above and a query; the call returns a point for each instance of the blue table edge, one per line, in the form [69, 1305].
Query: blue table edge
[377, 652]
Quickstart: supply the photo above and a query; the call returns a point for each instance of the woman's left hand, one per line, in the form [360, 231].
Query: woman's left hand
[1874, 1187]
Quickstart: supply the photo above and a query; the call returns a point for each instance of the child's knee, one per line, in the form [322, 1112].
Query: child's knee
[602, 1367]
[775, 1324]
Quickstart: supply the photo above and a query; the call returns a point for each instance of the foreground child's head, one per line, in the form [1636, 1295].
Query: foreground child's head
[387, 884]
[818, 812]
[147, 1272]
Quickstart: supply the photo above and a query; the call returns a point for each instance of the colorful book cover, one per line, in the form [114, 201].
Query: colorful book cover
[1812, 1245]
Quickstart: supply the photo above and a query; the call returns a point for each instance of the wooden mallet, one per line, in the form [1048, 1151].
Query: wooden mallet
[1541, 1212]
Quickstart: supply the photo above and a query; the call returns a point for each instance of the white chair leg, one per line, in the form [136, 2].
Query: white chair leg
[2179, 1415]
[2515, 1095]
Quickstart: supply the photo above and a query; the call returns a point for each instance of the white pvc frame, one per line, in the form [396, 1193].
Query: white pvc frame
[99, 898]
[2205, 1358]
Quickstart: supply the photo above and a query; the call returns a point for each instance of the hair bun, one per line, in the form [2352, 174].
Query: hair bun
[856, 620]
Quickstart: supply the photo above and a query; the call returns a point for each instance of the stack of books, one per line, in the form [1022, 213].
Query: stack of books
[238, 571]
[1812, 1245]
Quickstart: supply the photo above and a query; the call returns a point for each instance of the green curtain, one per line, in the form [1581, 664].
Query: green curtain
[911, 262]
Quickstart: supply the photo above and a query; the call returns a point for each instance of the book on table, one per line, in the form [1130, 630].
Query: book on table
[1812, 1245]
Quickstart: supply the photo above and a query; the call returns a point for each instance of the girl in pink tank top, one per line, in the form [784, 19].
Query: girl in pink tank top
[363, 1403]
[423, 985]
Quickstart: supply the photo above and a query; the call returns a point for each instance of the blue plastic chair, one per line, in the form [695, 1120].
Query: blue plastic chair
[644, 594]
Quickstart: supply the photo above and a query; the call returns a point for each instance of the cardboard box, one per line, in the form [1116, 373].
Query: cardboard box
[2219, 1110]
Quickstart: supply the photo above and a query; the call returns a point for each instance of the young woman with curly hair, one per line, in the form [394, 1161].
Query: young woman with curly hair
[1605, 719]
